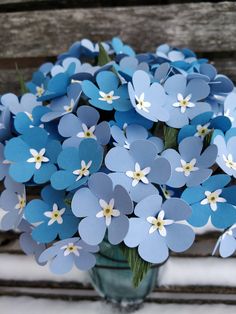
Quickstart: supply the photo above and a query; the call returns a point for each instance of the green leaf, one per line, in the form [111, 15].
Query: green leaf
[138, 266]
[103, 57]
[21, 81]
[170, 137]
[207, 139]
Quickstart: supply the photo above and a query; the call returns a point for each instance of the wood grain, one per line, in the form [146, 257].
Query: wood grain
[36, 33]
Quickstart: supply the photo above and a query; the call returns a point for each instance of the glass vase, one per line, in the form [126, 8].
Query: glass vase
[112, 278]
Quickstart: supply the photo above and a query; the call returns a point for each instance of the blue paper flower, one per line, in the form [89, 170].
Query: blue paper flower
[138, 168]
[230, 108]
[26, 103]
[13, 202]
[28, 245]
[4, 164]
[109, 94]
[190, 166]
[84, 125]
[51, 215]
[122, 119]
[184, 101]
[212, 199]
[62, 255]
[158, 227]
[226, 144]
[65, 65]
[5, 123]
[91, 49]
[204, 124]
[104, 207]
[148, 99]
[226, 243]
[120, 48]
[38, 84]
[32, 155]
[77, 165]
[63, 105]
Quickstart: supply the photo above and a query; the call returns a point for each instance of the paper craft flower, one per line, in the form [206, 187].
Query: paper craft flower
[157, 228]
[212, 199]
[26, 103]
[204, 124]
[226, 243]
[91, 49]
[84, 125]
[38, 84]
[230, 108]
[5, 123]
[190, 165]
[128, 65]
[28, 245]
[138, 168]
[4, 164]
[13, 202]
[104, 206]
[62, 255]
[109, 94]
[122, 119]
[120, 48]
[77, 165]
[32, 156]
[51, 215]
[63, 105]
[65, 65]
[184, 101]
[146, 98]
[226, 158]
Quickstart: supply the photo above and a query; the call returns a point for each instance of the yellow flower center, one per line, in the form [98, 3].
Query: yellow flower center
[184, 103]
[107, 212]
[188, 167]
[55, 214]
[137, 175]
[38, 158]
[158, 223]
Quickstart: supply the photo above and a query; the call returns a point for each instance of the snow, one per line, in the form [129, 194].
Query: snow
[26, 305]
[177, 271]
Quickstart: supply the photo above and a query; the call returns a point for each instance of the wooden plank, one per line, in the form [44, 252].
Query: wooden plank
[144, 27]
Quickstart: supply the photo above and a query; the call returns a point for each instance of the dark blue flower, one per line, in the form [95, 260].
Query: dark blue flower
[52, 216]
[77, 164]
[122, 119]
[212, 199]
[109, 94]
[32, 155]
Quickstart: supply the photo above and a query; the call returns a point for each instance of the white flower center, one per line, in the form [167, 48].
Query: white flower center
[70, 107]
[38, 157]
[138, 175]
[183, 103]
[108, 211]
[71, 248]
[141, 104]
[159, 223]
[39, 90]
[55, 215]
[83, 171]
[202, 130]
[212, 198]
[229, 162]
[21, 202]
[187, 167]
[108, 97]
[87, 132]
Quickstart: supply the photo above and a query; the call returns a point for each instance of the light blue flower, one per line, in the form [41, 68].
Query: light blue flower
[185, 99]
[203, 125]
[108, 94]
[190, 165]
[226, 243]
[138, 168]
[146, 98]
[77, 164]
[103, 206]
[62, 255]
[38, 84]
[230, 108]
[212, 200]
[32, 156]
[52, 216]
[159, 227]
[120, 48]
[226, 144]
[84, 125]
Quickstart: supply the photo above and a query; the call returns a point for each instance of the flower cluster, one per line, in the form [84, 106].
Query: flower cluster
[133, 149]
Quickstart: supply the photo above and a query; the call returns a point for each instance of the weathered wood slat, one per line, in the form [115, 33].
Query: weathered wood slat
[144, 27]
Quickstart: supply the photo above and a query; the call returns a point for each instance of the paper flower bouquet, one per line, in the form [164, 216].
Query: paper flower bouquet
[129, 149]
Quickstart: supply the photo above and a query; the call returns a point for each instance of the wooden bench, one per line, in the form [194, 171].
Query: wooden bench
[35, 31]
